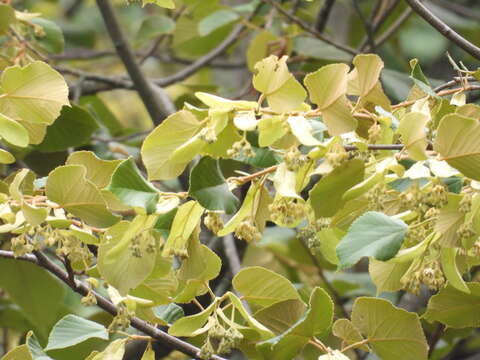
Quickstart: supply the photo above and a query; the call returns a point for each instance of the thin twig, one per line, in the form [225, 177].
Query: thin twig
[310, 29]
[368, 26]
[444, 29]
[394, 27]
[40, 259]
[323, 15]
[378, 22]
[144, 87]
[460, 9]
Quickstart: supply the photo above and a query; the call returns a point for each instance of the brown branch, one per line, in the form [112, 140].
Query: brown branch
[444, 29]
[434, 338]
[310, 29]
[40, 259]
[323, 15]
[459, 9]
[155, 106]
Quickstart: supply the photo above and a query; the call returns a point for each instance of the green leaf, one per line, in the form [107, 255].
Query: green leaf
[390, 330]
[345, 330]
[25, 286]
[153, 26]
[185, 221]
[35, 348]
[372, 234]
[35, 93]
[18, 353]
[449, 221]
[450, 269]
[216, 20]
[263, 287]
[192, 325]
[318, 49]
[302, 130]
[326, 195]
[87, 204]
[208, 187]
[160, 145]
[284, 93]
[13, 132]
[412, 130]
[455, 308]
[116, 261]
[387, 275]
[72, 330]
[327, 88]
[259, 48]
[130, 187]
[315, 321]
[7, 18]
[60, 136]
[51, 38]
[281, 315]
[169, 4]
[6, 157]
[114, 351]
[457, 143]
[169, 313]
[99, 171]
[34, 215]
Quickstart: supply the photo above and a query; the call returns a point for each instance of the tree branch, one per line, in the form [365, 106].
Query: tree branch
[444, 29]
[323, 14]
[309, 29]
[144, 87]
[368, 26]
[40, 259]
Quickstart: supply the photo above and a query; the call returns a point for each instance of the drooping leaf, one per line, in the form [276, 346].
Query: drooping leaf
[72, 330]
[326, 195]
[327, 88]
[159, 146]
[6, 157]
[208, 187]
[457, 143]
[87, 204]
[281, 315]
[259, 47]
[412, 131]
[131, 188]
[191, 325]
[387, 275]
[35, 93]
[451, 271]
[454, 307]
[60, 136]
[390, 330]
[283, 92]
[263, 287]
[185, 221]
[373, 234]
[114, 351]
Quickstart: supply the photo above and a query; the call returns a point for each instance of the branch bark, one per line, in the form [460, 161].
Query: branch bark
[444, 29]
[43, 261]
[154, 104]
[323, 15]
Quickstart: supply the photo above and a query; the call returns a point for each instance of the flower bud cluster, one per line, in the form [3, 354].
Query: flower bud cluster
[143, 242]
[241, 148]
[286, 211]
[377, 197]
[465, 204]
[308, 236]
[213, 221]
[430, 275]
[220, 340]
[247, 231]
[20, 245]
[437, 196]
[374, 133]
[336, 155]
[294, 159]
[208, 135]
[122, 320]
[73, 248]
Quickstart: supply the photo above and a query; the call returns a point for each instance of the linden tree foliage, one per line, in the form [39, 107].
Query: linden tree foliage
[328, 208]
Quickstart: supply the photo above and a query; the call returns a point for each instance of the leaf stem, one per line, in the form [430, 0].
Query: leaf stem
[355, 345]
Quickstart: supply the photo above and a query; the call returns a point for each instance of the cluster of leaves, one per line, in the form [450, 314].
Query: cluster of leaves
[327, 188]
